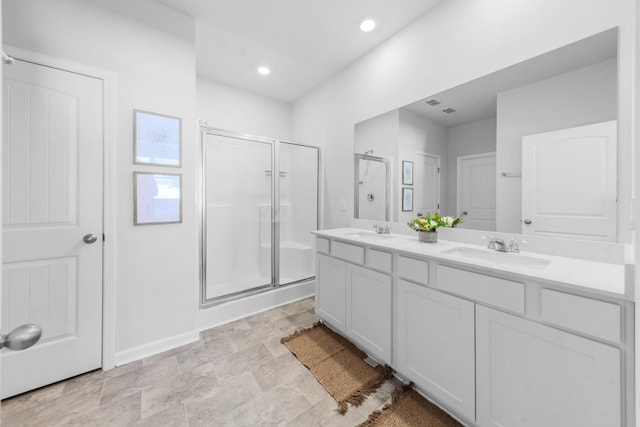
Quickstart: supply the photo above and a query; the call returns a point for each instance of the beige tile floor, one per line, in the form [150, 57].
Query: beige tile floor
[237, 375]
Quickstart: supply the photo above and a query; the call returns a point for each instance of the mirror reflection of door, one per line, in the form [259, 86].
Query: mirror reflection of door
[584, 156]
[477, 191]
[427, 181]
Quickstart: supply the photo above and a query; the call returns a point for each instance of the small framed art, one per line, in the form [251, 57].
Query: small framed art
[407, 199]
[407, 172]
[157, 139]
[157, 198]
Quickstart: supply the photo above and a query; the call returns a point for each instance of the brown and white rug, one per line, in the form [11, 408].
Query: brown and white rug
[410, 409]
[337, 364]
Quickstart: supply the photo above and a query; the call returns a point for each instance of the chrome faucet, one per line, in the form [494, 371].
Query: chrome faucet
[382, 229]
[513, 245]
[495, 244]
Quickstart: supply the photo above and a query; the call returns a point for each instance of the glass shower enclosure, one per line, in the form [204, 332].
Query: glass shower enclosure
[259, 205]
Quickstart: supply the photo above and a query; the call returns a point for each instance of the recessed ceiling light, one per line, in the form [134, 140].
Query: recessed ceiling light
[367, 24]
[265, 71]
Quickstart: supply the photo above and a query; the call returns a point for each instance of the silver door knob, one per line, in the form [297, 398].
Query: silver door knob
[90, 238]
[527, 221]
[21, 337]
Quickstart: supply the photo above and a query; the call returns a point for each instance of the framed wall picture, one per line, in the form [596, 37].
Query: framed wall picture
[407, 172]
[407, 199]
[157, 139]
[157, 198]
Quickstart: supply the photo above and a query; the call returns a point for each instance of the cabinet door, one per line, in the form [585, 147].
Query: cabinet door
[533, 375]
[436, 345]
[369, 311]
[331, 275]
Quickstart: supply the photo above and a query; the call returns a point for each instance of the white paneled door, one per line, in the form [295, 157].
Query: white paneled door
[569, 182]
[52, 223]
[427, 184]
[477, 191]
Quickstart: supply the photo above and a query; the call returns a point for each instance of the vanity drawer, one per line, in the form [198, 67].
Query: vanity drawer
[501, 293]
[347, 252]
[416, 270]
[322, 245]
[597, 318]
[379, 260]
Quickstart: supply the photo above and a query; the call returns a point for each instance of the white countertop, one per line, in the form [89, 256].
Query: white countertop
[603, 278]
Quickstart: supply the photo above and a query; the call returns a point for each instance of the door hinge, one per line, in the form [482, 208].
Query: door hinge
[438, 170]
[438, 205]
[103, 237]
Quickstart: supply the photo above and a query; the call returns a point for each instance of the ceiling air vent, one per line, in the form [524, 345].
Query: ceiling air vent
[432, 102]
[449, 110]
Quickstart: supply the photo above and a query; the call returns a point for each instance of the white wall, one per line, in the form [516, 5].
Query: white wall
[577, 98]
[419, 61]
[1, 162]
[418, 134]
[235, 110]
[463, 140]
[636, 183]
[154, 66]
[379, 134]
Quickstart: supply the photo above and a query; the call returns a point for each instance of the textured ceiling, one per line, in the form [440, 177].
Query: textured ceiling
[303, 42]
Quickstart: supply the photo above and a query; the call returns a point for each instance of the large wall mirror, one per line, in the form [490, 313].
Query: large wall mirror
[529, 149]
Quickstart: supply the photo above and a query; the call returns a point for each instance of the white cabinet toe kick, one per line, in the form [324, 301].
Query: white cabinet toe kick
[491, 347]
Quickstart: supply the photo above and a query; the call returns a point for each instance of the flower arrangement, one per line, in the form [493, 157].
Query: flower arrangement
[432, 222]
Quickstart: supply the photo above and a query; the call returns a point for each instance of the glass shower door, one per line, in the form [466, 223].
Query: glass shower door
[237, 232]
[298, 211]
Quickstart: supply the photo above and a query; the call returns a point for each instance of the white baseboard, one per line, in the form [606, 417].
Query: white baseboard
[153, 348]
[218, 315]
[243, 307]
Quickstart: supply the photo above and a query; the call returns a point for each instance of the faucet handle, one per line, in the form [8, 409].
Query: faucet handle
[387, 229]
[513, 245]
[492, 242]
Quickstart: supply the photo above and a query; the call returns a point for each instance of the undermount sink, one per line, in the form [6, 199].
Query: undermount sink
[498, 258]
[367, 235]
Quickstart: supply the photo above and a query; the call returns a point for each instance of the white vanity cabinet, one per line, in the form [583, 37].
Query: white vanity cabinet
[355, 300]
[369, 311]
[494, 348]
[436, 344]
[331, 291]
[529, 374]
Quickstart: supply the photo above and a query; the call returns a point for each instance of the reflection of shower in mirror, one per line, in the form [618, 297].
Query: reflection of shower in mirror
[372, 190]
[366, 155]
